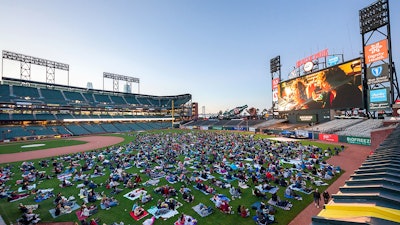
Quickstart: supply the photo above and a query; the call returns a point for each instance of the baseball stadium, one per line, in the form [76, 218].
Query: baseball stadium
[326, 152]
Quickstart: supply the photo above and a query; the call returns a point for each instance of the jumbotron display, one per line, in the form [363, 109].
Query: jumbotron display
[337, 87]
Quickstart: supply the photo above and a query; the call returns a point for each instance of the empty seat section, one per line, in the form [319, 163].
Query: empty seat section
[5, 116]
[16, 131]
[102, 98]
[53, 96]
[93, 128]
[89, 98]
[165, 102]
[135, 126]
[64, 116]
[122, 127]
[143, 100]
[22, 91]
[4, 93]
[40, 130]
[75, 97]
[22, 116]
[60, 130]
[131, 99]
[118, 100]
[79, 116]
[76, 129]
[45, 116]
[154, 102]
[109, 127]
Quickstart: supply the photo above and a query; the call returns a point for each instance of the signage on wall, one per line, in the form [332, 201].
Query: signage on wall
[275, 83]
[376, 51]
[333, 60]
[307, 118]
[321, 54]
[308, 66]
[378, 74]
[378, 99]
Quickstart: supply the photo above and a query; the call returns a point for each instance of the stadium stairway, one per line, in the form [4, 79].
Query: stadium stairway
[360, 210]
[372, 194]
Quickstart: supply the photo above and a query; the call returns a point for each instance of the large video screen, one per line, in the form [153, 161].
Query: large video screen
[336, 87]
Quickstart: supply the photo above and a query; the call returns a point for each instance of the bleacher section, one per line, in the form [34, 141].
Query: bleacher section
[109, 128]
[44, 116]
[372, 192]
[4, 93]
[362, 129]
[53, 96]
[334, 125]
[93, 128]
[76, 129]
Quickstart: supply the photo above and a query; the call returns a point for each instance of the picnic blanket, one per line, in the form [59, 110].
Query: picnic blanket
[63, 176]
[209, 177]
[29, 187]
[203, 213]
[168, 214]
[256, 205]
[300, 189]
[228, 180]
[274, 203]
[21, 196]
[44, 196]
[79, 215]
[53, 211]
[272, 190]
[137, 218]
[152, 182]
[320, 183]
[135, 194]
[96, 175]
[204, 192]
[220, 196]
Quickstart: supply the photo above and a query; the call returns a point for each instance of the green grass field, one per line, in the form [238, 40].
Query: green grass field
[10, 212]
[7, 148]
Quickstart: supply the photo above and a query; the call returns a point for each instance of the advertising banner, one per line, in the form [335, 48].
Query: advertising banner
[307, 118]
[376, 51]
[310, 58]
[275, 83]
[333, 60]
[275, 95]
[378, 74]
[336, 87]
[203, 127]
[378, 99]
[358, 140]
[328, 137]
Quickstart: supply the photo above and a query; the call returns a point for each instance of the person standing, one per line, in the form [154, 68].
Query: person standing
[326, 196]
[317, 197]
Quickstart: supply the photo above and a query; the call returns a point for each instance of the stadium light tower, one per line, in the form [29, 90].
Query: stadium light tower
[25, 66]
[116, 78]
[275, 69]
[380, 77]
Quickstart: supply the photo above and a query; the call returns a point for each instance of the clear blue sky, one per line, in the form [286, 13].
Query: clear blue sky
[216, 50]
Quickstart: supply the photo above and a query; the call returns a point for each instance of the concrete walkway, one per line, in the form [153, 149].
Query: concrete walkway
[349, 160]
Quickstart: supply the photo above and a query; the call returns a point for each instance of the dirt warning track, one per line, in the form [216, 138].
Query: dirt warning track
[93, 142]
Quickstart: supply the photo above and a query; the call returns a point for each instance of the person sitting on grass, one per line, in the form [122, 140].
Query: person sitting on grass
[225, 208]
[137, 210]
[244, 212]
[145, 198]
[259, 194]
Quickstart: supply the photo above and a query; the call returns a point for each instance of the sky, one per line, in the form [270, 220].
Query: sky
[216, 50]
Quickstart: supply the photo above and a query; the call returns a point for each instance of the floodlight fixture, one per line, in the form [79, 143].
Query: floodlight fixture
[374, 16]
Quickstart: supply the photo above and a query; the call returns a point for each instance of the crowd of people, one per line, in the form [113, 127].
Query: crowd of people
[252, 162]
